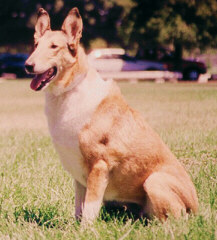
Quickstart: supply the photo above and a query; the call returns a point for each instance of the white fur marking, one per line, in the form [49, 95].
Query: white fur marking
[68, 113]
[80, 192]
[91, 210]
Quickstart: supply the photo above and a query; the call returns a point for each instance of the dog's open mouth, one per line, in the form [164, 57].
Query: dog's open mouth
[40, 80]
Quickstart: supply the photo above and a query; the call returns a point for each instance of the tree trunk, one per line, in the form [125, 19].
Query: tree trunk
[178, 50]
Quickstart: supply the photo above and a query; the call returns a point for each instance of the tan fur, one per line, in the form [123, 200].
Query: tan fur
[110, 150]
[133, 153]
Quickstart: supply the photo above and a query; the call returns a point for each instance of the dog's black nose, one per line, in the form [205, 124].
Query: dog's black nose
[29, 68]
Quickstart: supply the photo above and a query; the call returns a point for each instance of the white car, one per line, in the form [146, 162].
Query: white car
[116, 60]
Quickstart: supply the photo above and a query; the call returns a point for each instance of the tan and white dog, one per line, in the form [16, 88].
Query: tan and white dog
[108, 148]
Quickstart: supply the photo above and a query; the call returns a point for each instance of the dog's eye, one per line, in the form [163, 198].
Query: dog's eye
[53, 46]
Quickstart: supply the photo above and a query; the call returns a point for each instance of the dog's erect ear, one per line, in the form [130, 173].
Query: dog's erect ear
[42, 24]
[72, 27]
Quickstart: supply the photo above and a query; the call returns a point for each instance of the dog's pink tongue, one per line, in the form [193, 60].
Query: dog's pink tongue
[37, 80]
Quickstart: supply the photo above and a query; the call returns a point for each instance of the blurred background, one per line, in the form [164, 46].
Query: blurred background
[133, 35]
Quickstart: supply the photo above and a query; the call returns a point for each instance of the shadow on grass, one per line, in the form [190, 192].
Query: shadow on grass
[123, 213]
[46, 216]
[49, 217]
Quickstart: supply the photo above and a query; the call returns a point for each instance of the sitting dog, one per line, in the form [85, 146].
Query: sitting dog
[108, 148]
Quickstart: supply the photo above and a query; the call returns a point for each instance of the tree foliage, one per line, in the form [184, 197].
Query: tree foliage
[191, 23]
[18, 18]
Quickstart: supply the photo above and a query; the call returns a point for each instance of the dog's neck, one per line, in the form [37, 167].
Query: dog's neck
[69, 112]
[71, 74]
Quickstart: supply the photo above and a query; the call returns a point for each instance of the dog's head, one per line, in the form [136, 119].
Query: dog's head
[54, 50]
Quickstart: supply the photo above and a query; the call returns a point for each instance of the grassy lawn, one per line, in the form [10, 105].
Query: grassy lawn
[37, 196]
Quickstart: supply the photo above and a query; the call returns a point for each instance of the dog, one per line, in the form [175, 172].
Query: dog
[108, 148]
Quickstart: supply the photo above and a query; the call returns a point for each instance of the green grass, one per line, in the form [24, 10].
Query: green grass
[37, 196]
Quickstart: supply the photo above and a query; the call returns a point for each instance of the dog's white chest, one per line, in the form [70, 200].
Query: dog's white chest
[65, 123]
[67, 114]
[72, 161]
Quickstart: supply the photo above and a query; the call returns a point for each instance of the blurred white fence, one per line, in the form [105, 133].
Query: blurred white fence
[133, 76]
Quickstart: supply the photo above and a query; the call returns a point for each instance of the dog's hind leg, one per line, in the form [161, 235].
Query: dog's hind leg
[168, 195]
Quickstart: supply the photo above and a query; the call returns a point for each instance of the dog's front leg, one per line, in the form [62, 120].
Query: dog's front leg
[80, 192]
[97, 182]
